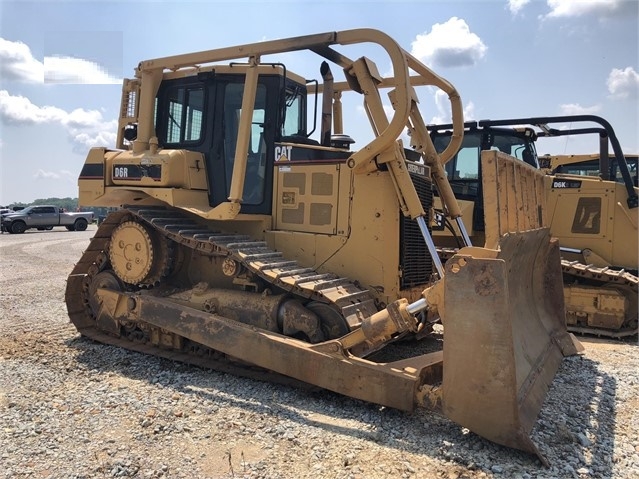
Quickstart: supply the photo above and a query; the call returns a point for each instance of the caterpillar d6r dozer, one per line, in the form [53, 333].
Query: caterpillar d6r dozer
[242, 240]
[594, 218]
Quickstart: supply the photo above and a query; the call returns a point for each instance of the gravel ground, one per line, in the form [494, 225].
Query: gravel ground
[72, 408]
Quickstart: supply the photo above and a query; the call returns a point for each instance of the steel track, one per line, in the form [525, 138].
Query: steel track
[354, 302]
[603, 277]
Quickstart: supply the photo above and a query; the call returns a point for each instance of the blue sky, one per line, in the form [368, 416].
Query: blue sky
[61, 65]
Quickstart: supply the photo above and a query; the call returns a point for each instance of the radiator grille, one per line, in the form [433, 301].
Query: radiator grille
[415, 263]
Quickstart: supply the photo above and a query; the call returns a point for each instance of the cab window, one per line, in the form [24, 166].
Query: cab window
[466, 164]
[295, 111]
[185, 106]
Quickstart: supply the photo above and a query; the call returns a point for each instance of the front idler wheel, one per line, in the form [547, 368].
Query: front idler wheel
[103, 280]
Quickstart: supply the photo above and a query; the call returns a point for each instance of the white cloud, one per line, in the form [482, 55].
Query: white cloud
[515, 6]
[46, 175]
[86, 128]
[101, 138]
[17, 63]
[469, 111]
[577, 109]
[623, 84]
[449, 44]
[61, 69]
[600, 8]
[444, 114]
[20, 110]
[41, 174]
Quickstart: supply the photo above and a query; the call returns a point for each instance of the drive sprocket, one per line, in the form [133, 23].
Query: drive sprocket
[138, 255]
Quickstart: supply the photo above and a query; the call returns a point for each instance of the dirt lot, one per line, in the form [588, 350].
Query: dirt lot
[73, 408]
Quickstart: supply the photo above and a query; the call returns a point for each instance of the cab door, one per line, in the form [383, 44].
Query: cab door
[258, 182]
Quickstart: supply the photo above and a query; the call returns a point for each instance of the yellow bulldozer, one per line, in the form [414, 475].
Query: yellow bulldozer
[589, 165]
[592, 203]
[240, 239]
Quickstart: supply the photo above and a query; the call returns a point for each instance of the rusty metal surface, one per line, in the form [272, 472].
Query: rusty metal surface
[504, 321]
[196, 331]
[514, 196]
[502, 344]
[327, 365]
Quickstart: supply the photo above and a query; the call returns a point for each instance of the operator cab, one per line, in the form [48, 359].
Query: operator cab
[593, 168]
[464, 171]
[202, 113]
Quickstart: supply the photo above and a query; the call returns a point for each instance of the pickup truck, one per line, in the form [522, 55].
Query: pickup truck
[44, 217]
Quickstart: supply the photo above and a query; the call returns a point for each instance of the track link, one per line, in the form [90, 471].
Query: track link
[604, 277]
[347, 297]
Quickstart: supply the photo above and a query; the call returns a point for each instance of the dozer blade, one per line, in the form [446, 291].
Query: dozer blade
[504, 320]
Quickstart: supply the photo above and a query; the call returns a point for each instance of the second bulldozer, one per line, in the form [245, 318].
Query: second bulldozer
[241, 239]
[594, 217]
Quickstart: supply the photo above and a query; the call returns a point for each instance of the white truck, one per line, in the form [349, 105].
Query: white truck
[45, 217]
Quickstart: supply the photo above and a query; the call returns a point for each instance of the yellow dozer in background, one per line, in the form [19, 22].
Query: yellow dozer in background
[589, 165]
[591, 201]
[241, 239]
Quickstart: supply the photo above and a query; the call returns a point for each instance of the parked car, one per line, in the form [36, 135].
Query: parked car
[44, 217]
